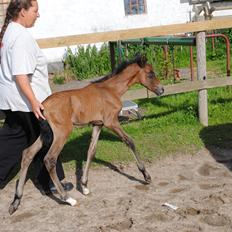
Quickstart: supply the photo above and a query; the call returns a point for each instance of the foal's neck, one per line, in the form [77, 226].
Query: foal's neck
[122, 81]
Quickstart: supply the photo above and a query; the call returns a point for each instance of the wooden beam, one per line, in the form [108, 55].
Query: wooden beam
[64, 41]
[188, 86]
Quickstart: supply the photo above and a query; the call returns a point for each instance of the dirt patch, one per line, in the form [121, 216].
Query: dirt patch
[197, 185]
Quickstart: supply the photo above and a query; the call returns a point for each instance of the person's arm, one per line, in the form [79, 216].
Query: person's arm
[24, 84]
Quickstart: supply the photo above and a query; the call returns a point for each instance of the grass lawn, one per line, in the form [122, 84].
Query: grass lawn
[170, 126]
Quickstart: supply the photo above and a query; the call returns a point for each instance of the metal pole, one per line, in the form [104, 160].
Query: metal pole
[227, 41]
[165, 50]
[191, 63]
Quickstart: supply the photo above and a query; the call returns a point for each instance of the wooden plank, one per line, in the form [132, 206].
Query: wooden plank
[188, 86]
[64, 41]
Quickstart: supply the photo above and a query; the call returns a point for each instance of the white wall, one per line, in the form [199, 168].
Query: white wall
[73, 17]
[68, 17]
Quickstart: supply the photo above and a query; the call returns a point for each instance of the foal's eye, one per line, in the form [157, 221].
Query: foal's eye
[151, 75]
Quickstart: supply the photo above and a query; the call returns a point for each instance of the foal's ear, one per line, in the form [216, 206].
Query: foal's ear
[141, 61]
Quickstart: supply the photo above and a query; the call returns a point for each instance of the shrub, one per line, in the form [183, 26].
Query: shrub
[88, 62]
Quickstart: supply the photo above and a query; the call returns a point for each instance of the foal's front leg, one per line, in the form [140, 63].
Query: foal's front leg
[91, 152]
[27, 157]
[130, 143]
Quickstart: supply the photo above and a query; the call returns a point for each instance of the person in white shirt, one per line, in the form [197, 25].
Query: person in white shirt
[23, 86]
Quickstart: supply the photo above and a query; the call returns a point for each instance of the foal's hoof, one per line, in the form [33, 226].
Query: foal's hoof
[147, 178]
[71, 201]
[12, 209]
[85, 190]
[14, 205]
[146, 175]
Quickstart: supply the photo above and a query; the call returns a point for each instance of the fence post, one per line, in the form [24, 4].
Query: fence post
[112, 54]
[201, 75]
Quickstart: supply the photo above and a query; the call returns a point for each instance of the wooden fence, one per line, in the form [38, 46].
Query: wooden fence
[199, 27]
[217, 23]
[185, 87]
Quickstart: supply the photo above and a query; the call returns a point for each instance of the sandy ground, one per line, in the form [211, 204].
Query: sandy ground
[198, 185]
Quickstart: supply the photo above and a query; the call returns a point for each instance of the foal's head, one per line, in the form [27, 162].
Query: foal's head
[147, 77]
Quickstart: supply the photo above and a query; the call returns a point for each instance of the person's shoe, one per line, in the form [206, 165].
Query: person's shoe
[48, 190]
[2, 184]
[68, 186]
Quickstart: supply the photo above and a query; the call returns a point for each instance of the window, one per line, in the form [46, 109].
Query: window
[134, 7]
[3, 7]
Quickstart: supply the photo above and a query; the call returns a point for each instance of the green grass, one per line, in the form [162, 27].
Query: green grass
[59, 80]
[217, 67]
[170, 126]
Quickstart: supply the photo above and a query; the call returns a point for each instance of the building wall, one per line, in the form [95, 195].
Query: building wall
[72, 17]
[3, 6]
[67, 17]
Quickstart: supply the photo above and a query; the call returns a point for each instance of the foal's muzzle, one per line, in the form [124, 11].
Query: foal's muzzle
[159, 90]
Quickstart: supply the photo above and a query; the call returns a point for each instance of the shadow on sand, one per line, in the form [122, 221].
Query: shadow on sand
[80, 146]
[218, 140]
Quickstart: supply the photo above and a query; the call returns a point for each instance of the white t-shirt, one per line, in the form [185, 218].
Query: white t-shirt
[21, 55]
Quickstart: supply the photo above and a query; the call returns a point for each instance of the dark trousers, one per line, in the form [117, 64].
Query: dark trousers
[19, 131]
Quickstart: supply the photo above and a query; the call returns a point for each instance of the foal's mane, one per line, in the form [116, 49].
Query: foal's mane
[120, 68]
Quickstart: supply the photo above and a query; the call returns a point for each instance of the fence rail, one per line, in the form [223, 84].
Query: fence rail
[185, 87]
[64, 41]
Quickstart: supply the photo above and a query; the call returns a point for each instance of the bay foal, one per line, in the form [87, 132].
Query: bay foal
[97, 104]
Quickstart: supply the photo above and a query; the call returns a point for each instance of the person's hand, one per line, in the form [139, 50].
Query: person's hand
[36, 108]
[23, 82]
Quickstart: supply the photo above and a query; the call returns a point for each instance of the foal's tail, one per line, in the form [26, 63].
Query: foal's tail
[46, 133]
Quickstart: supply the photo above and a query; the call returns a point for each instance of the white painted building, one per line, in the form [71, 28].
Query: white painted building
[73, 17]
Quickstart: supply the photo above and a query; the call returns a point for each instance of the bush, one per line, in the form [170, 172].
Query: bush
[88, 62]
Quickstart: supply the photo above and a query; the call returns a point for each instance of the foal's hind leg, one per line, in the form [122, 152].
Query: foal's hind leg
[50, 162]
[91, 152]
[27, 157]
[130, 143]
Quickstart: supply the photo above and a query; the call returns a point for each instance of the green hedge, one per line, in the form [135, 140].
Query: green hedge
[88, 62]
